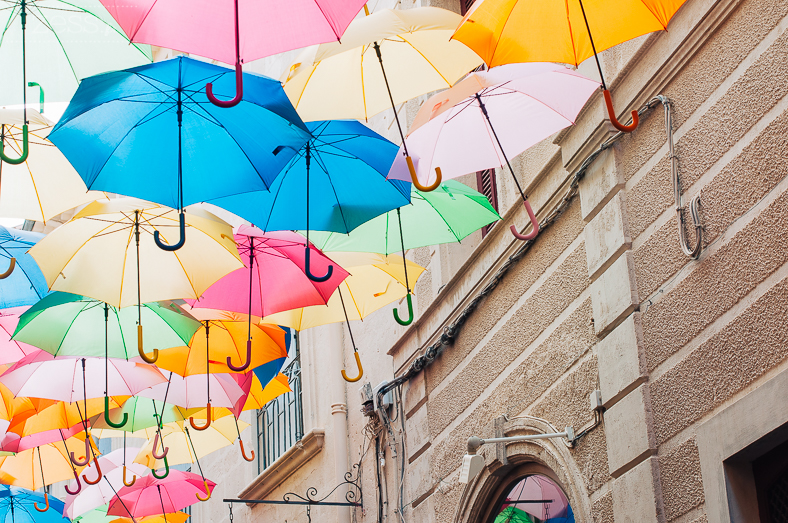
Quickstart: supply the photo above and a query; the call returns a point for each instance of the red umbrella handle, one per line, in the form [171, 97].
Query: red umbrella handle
[207, 423]
[611, 113]
[239, 77]
[243, 451]
[98, 470]
[46, 507]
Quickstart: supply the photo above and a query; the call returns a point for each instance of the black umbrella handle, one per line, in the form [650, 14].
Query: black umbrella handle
[181, 240]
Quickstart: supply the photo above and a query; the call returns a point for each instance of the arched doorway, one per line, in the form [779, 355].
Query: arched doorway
[532, 498]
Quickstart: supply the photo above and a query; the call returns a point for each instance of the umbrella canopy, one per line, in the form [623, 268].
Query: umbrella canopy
[174, 517]
[155, 121]
[347, 180]
[191, 391]
[14, 443]
[65, 41]
[538, 487]
[26, 284]
[447, 214]
[513, 515]
[150, 496]
[415, 47]
[46, 415]
[45, 184]
[143, 417]
[25, 469]
[12, 351]
[18, 505]
[65, 324]
[93, 254]
[260, 395]
[375, 281]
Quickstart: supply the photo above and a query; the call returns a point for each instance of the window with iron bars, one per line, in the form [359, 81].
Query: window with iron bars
[281, 423]
[485, 184]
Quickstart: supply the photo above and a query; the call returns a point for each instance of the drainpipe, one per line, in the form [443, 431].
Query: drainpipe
[339, 414]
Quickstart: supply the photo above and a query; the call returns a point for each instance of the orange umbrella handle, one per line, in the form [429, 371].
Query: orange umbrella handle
[7, 273]
[415, 179]
[207, 490]
[611, 113]
[133, 479]
[243, 451]
[46, 498]
[164, 451]
[207, 423]
[144, 356]
[531, 235]
[79, 485]
[98, 470]
[360, 371]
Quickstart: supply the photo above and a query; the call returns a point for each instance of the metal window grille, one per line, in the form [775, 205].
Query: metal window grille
[485, 183]
[465, 5]
[281, 423]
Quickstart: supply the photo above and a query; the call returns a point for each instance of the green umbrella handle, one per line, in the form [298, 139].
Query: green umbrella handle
[79, 485]
[415, 179]
[531, 235]
[246, 363]
[308, 272]
[166, 470]
[7, 273]
[181, 241]
[207, 423]
[40, 95]
[410, 313]
[25, 149]
[107, 418]
[84, 461]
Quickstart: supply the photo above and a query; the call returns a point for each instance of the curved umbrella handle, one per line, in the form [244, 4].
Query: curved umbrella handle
[246, 363]
[243, 451]
[531, 235]
[410, 313]
[7, 273]
[166, 470]
[239, 90]
[415, 179]
[144, 356]
[164, 451]
[98, 470]
[207, 492]
[611, 113]
[46, 507]
[107, 418]
[133, 479]
[308, 272]
[79, 485]
[360, 367]
[84, 461]
[181, 241]
[40, 95]
[207, 423]
[25, 150]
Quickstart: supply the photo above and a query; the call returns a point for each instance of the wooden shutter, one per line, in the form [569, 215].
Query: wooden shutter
[485, 183]
[465, 5]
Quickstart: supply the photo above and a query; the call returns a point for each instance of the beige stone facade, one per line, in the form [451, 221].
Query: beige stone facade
[689, 355]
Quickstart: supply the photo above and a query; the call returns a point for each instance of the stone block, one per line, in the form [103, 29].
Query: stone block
[607, 236]
[614, 294]
[621, 362]
[419, 477]
[601, 182]
[636, 495]
[418, 430]
[424, 512]
[628, 431]
[414, 394]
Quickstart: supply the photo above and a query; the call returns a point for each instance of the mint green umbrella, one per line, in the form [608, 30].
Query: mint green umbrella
[65, 324]
[513, 515]
[144, 418]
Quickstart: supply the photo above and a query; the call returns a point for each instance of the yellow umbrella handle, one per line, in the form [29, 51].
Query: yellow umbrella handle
[207, 491]
[611, 113]
[98, 470]
[207, 424]
[360, 370]
[243, 451]
[7, 273]
[144, 356]
[133, 479]
[46, 507]
[415, 179]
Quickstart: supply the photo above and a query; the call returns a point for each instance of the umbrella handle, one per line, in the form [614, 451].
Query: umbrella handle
[7, 273]
[360, 367]
[46, 507]
[98, 470]
[79, 485]
[108, 420]
[207, 490]
[318, 279]
[166, 470]
[164, 451]
[207, 423]
[181, 241]
[25, 150]
[133, 479]
[611, 113]
[410, 313]
[531, 235]
[144, 356]
[415, 179]
[239, 90]
[243, 451]
[40, 95]
[246, 363]
[85, 460]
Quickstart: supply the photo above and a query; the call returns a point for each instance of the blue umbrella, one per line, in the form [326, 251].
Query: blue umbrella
[18, 505]
[150, 132]
[22, 283]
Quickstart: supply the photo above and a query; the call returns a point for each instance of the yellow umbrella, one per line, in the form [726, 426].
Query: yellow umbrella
[348, 79]
[45, 184]
[107, 252]
[25, 468]
[51, 414]
[512, 31]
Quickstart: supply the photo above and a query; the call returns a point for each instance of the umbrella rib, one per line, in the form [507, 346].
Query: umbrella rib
[448, 83]
[65, 333]
[322, 165]
[60, 43]
[116, 312]
[123, 268]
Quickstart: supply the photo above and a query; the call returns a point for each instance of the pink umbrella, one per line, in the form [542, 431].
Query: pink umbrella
[279, 278]
[150, 496]
[233, 31]
[536, 488]
[526, 102]
[190, 391]
[12, 351]
[12, 442]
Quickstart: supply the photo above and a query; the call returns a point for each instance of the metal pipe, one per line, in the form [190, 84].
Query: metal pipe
[474, 443]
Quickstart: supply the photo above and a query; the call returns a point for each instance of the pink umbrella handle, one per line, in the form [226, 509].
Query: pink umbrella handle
[239, 77]
[531, 235]
[207, 423]
[611, 113]
[164, 451]
[85, 460]
[415, 179]
[246, 363]
[79, 485]
[7, 273]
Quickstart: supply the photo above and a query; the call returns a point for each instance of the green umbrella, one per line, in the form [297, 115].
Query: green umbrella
[513, 515]
[97, 515]
[65, 324]
[143, 415]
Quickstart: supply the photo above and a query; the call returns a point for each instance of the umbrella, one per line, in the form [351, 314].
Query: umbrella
[174, 517]
[90, 255]
[527, 102]
[539, 496]
[509, 31]
[45, 415]
[190, 391]
[45, 184]
[12, 351]
[347, 183]
[155, 121]
[17, 504]
[151, 496]
[269, 28]
[25, 285]
[419, 58]
[513, 515]
[142, 414]
[15, 443]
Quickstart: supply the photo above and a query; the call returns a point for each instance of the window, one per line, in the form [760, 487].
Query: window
[534, 498]
[281, 423]
[485, 183]
[465, 5]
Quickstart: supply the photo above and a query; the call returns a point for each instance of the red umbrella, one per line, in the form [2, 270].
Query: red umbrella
[150, 496]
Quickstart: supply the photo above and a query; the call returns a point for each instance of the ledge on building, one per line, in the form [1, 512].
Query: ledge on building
[281, 469]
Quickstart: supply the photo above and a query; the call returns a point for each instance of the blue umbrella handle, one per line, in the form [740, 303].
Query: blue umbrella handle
[531, 235]
[181, 241]
[7, 273]
[415, 179]
[25, 150]
[308, 272]
[410, 313]
[246, 363]
[239, 90]
[40, 95]
[79, 485]
[46, 507]
[166, 470]
[107, 418]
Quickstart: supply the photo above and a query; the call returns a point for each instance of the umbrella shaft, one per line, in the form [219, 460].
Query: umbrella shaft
[593, 47]
[391, 98]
